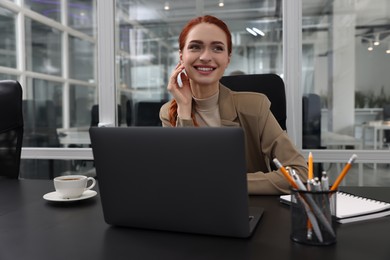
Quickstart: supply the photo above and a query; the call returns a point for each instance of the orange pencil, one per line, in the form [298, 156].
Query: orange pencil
[285, 173]
[310, 166]
[343, 172]
[310, 177]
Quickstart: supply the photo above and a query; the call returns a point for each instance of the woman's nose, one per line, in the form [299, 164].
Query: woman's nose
[205, 56]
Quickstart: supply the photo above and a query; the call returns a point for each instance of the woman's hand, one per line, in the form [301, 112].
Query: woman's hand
[182, 94]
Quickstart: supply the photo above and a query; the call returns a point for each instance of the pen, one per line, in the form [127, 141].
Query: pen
[343, 172]
[324, 181]
[325, 187]
[313, 221]
[309, 178]
[307, 209]
[316, 185]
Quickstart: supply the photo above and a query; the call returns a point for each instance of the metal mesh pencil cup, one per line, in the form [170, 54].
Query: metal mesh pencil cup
[312, 217]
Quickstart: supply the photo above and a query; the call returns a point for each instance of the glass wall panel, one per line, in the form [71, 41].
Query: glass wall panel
[147, 47]
[8, 38]
[360, 174]
[7, 76]
[81, 15]
[50, 9]
[43, 48]
[56, 112]
[42, 111]
[81, 59]
[81, 100]
[49, 169]
[346, 84]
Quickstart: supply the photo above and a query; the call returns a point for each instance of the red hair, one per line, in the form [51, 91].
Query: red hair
[182, 41]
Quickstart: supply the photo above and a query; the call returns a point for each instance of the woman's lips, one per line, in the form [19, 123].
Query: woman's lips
[204, 70]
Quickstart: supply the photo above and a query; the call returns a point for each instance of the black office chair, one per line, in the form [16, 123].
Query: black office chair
[270, 85]
[148, 113]
[95, 115]
[129, 112]
[11, 128]
[311, 121]
[311, 127]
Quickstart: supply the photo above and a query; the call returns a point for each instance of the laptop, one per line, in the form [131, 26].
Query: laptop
[190, 180]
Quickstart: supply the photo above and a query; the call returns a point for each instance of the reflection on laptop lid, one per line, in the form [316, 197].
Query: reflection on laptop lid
[175, 179]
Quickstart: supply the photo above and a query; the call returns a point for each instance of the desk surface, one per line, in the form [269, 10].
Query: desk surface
[32, 228]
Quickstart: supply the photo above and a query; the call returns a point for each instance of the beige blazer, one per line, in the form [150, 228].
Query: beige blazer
[264, 138]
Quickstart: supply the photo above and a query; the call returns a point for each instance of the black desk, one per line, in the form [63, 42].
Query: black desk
[32, 228]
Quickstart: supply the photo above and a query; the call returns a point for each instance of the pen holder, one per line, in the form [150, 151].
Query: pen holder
[312, 217]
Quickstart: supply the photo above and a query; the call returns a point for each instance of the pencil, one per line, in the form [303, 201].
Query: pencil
[285, 173]
[343, 172]
[309, 178]
[310, 159]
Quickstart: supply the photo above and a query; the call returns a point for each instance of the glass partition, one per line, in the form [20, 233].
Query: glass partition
[7, 76]
[345, 82]
[81, 101]
[8, 38]
[42, 113]
[81, 16]
[147, 47]
[81, 59]
[43, 48]
[50, 9]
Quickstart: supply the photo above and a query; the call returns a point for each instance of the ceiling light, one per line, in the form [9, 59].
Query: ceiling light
[260, 32]
[221, 3]
[251, 31]
[377, 42]
[166, 6]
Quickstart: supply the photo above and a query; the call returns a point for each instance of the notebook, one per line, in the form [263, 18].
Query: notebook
[352, 208]
[189, 180]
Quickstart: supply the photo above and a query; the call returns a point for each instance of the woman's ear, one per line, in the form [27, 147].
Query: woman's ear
[229, 58]
[181, 56]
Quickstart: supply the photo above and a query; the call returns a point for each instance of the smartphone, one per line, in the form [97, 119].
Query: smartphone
[179, 81]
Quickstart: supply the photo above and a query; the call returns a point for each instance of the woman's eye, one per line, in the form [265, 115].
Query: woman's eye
[194, 47]
[218, 48]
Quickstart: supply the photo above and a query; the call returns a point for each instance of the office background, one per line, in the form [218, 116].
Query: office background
[82, 60]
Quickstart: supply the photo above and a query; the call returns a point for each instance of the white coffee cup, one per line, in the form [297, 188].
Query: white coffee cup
[72, 186]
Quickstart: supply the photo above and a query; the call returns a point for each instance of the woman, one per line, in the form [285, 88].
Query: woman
[200, 100]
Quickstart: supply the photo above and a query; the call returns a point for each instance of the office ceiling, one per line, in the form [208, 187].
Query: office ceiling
[371, 15]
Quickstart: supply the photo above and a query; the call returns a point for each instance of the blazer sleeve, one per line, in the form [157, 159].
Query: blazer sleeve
[274, 143]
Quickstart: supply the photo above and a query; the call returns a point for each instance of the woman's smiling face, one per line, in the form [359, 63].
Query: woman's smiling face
[205, 54]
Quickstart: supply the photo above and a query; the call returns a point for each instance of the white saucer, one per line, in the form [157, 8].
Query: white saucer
[54, 196]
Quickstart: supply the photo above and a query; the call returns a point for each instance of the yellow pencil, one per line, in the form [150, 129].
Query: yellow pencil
[343, 172]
